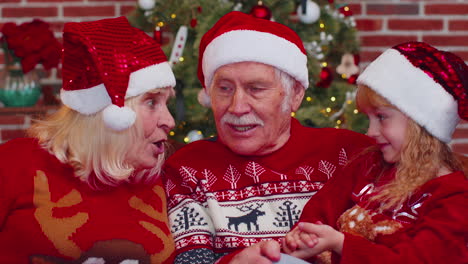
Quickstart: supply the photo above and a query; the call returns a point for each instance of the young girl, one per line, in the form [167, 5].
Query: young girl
[406, 200]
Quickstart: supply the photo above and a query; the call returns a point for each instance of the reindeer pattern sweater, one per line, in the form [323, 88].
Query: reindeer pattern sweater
[430, 227]
[220, 201]
[47, 215]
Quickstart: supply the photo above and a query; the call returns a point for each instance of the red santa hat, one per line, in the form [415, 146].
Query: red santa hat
[428, 85]
[107, 61]
[239, 37]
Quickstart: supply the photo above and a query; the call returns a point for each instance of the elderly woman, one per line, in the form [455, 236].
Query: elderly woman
[85, 187]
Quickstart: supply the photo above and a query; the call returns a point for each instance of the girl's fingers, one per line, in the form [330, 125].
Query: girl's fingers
[309, 239]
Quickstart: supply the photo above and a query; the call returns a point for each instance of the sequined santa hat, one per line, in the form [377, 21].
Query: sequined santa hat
[106, 62]
[428, 85]
[239, 37]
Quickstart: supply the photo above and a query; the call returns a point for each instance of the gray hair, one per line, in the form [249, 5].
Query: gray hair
[288, 83]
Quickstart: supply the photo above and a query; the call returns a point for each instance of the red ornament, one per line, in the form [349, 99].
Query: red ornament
[346, 11]
[158, 35]
[193, 22]
[261, 11]
[199, 9]
[326, 78]
[293, 17]
[352, 79]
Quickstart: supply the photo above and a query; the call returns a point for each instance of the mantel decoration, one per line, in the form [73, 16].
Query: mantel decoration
[25, 46]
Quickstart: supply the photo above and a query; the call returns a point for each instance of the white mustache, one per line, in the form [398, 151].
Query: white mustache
[248, 119]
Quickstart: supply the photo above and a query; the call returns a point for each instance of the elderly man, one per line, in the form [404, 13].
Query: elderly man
[251, 183]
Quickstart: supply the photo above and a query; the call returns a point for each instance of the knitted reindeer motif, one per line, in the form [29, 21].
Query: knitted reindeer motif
[250, 219]
[57, 230]
[168, 243]
[359, 222]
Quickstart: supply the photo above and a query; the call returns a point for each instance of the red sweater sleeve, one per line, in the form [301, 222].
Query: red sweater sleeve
[335, 197]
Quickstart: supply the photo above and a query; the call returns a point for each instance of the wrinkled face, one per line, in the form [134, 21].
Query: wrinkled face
[246, 99]
[388, 127]
[154, 116]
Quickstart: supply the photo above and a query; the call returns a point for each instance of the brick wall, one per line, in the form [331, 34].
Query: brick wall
[381, 24]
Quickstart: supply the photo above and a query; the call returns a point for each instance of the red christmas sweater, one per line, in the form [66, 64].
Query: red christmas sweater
[47, 215]
[220, 201]
[431, 226]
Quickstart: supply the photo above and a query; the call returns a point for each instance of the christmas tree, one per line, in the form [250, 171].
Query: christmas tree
[329, 35]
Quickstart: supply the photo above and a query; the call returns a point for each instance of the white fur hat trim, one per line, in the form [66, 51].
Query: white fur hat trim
[236, 46]
[414, 92]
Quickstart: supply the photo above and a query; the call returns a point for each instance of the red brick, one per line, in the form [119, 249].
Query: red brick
[53, 1]
[126, 9]
[458, 25]
[460, 148]
[29, 12]
[369, 24]
[446, 9]
[90, 1]
[8, 134]
[460, 133]
[385, 40]
[441, 40]
[355, 8]
[461, 53]
[368, 56]
[392, 9]
[89, 11]
[414, 24]
[11, 119]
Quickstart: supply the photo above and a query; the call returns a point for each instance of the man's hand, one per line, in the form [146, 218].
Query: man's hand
[265, 252]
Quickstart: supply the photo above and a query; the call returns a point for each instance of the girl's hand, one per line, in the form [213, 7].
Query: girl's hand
[297, 240]
[327, 238]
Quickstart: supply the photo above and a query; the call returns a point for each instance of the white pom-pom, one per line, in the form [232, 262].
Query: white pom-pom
[147, 4]
[118, 118]
[204, 99]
